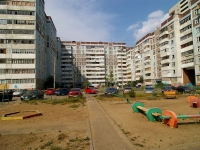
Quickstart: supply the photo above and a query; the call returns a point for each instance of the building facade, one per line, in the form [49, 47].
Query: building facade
[23, 44]
[93, 61]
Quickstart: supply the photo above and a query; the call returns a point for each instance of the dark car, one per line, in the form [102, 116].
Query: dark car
[185, 89]
[62, 91]
[33, 94]
[166, 88]
[6, 94]
[111, 91]
[90, 90]
[75, 92]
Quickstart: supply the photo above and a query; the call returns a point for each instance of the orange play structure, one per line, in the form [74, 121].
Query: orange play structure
[193, 101]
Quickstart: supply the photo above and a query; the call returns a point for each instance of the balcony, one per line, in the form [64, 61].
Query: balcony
[163, 33]
[185, 24]
[166, 74]
[186, 40]
[164, 40]
[191, 64]
[166, 68]
[186, 32]
[165, 61]
[147, 71]
[147, 66]
[147, 77]
[163, 54]
[187, 48]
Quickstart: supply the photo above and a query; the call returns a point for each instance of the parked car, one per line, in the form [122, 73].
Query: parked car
[90, 90]
[166, 88]
[127, 89]
[19, 92]
[149, 89]
[75, 92]
[32, 94]
[50, 91]
[185, 89]
[6, 94]
[111, 90]
[62, 91]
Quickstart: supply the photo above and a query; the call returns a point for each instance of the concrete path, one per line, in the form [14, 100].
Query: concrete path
[105, 134]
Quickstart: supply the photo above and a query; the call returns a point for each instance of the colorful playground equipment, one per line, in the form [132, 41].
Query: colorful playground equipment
[156, 114]
[193, 101]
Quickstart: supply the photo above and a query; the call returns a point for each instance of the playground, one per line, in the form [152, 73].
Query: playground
[147, 134]
[61, 125]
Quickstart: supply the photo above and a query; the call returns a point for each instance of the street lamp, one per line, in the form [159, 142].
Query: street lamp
[54, 73]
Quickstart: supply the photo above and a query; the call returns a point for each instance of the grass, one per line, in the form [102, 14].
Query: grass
[63, 101]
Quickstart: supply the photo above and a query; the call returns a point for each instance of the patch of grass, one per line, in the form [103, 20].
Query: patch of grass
[49, 143]
[61, 136]
[74, 106]
[66, 101]
[32, 102]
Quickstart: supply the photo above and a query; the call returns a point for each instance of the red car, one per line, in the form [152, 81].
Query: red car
[50, 91]
[75, 92]
[90, 90]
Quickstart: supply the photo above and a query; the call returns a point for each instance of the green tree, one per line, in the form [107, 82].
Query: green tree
[86, 83]
[141, 80]
[110, 78]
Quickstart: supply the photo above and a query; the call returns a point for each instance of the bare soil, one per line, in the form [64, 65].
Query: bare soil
[155, 135]
[60, 126]
[66, 127]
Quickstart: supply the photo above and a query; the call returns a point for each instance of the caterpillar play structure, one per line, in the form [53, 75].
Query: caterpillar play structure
[193, 101]
[156, 114]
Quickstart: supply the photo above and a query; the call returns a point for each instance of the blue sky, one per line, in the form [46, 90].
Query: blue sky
[105, 20]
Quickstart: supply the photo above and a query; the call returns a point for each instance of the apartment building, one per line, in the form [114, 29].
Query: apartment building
[170, 53]
[93, 61]
[53, 51]
[23, 45]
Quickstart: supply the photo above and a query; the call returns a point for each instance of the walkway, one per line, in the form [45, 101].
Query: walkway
[105, 134]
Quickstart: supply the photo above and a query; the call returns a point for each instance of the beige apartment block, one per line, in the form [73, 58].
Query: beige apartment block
[93, 61]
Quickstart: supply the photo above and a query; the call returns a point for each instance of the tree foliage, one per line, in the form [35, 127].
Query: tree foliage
[86, 83]
[49, 82]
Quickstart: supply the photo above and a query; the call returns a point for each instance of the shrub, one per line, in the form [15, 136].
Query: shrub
[132, 93]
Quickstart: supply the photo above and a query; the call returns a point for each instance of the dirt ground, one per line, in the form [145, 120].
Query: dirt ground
[60, 126]
[64, 126]
[155, 135]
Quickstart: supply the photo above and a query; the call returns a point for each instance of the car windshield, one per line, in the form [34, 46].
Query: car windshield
[149, 88]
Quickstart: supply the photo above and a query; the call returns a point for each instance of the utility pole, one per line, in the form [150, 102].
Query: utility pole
[54, 73]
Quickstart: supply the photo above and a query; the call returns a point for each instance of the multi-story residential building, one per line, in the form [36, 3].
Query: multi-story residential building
[195, 19]
[23, 44]
[170, 54]
[93, 61]
[53, 51]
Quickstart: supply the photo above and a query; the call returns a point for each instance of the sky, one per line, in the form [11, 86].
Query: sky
[123, 21]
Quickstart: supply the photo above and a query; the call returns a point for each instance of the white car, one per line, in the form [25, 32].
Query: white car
[19, 92]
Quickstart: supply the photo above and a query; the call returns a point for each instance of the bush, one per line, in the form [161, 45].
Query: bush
[132, 93]
[154, 94]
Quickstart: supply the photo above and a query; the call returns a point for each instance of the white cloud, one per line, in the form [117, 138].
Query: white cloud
[79, 20]
[154, 20]
[132, 27]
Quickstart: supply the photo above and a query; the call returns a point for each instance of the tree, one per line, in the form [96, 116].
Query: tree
[86, 83]
[141, 80]
[49, 82]
[110, 78]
